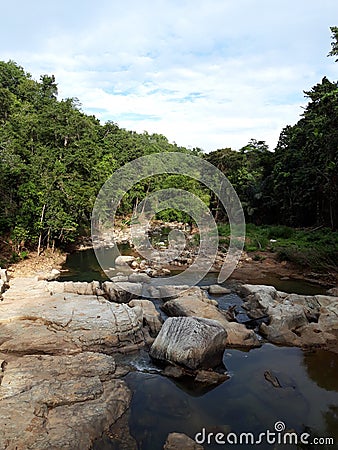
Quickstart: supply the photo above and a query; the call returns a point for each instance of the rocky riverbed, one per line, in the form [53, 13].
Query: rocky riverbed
[60, 383]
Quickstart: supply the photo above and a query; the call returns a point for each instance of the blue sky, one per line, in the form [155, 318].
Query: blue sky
[209, 74]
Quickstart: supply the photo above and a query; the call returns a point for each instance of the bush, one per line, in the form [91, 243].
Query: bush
[280, 232]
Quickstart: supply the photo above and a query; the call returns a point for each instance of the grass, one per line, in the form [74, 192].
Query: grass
[317, 249]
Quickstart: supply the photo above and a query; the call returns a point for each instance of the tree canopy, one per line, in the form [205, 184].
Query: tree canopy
[54, 159]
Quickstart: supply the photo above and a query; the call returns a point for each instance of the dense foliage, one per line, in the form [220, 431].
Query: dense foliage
[54, 159]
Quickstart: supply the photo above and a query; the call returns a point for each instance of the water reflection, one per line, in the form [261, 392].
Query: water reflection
[246, 402]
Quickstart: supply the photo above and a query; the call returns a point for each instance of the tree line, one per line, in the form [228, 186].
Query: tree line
[54, 159]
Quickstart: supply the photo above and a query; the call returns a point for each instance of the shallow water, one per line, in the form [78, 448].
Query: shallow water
[83, 266]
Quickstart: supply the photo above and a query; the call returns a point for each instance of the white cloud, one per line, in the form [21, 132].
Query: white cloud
[207, 74]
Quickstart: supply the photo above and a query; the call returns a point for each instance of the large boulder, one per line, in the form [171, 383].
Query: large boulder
[192, 342]
[52, 402]
[195, 303]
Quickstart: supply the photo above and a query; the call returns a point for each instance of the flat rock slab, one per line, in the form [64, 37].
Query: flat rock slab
[190, 341]
[54, 402]
[33, 320]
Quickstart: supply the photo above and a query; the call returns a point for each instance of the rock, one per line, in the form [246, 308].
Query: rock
[333, 291]
[122, 260]
[297, 320]
[195, 303]
[139, 278]
[122, 292]
[34, 321]
[53, 402]
[272, 379]
[240, 336]
[119, 278]
[190, 341]
[216, 289]
[3, 275]
[150, 315]
[173, 371]
[180, 441]
[210, 377]
[74, 287]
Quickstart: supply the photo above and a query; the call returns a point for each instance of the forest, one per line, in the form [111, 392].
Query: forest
[54, 159]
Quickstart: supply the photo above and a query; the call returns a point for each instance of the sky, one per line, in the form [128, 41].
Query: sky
[208, 74]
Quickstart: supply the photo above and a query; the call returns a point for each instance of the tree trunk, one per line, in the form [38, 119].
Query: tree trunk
[41, 221]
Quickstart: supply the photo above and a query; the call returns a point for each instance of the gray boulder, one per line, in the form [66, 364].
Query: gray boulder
[192, 342]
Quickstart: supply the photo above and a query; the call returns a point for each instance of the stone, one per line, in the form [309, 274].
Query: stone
[74, 287]
[122, 292]
[192, 342]
[216, 289]
[271, 378]
[333, 291]
[180, 441]
[2, 286]
[34, 321]
[65, 401]
[151, 316]
[139, 278]
[210, 377]
[122, 260]
[195, 303]
[296, 320]
[4, 275]
[172, 371]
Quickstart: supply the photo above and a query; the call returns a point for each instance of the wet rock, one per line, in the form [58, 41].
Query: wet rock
[173, 371]
[210, 377]
[190, 341]
[52, 402]
[216, 289]
[180, 441]
[151, 316]
[272, 379]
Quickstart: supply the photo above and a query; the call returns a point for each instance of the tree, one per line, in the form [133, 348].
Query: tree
[334, 43]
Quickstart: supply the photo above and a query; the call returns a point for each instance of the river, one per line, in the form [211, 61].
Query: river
[246, 402]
